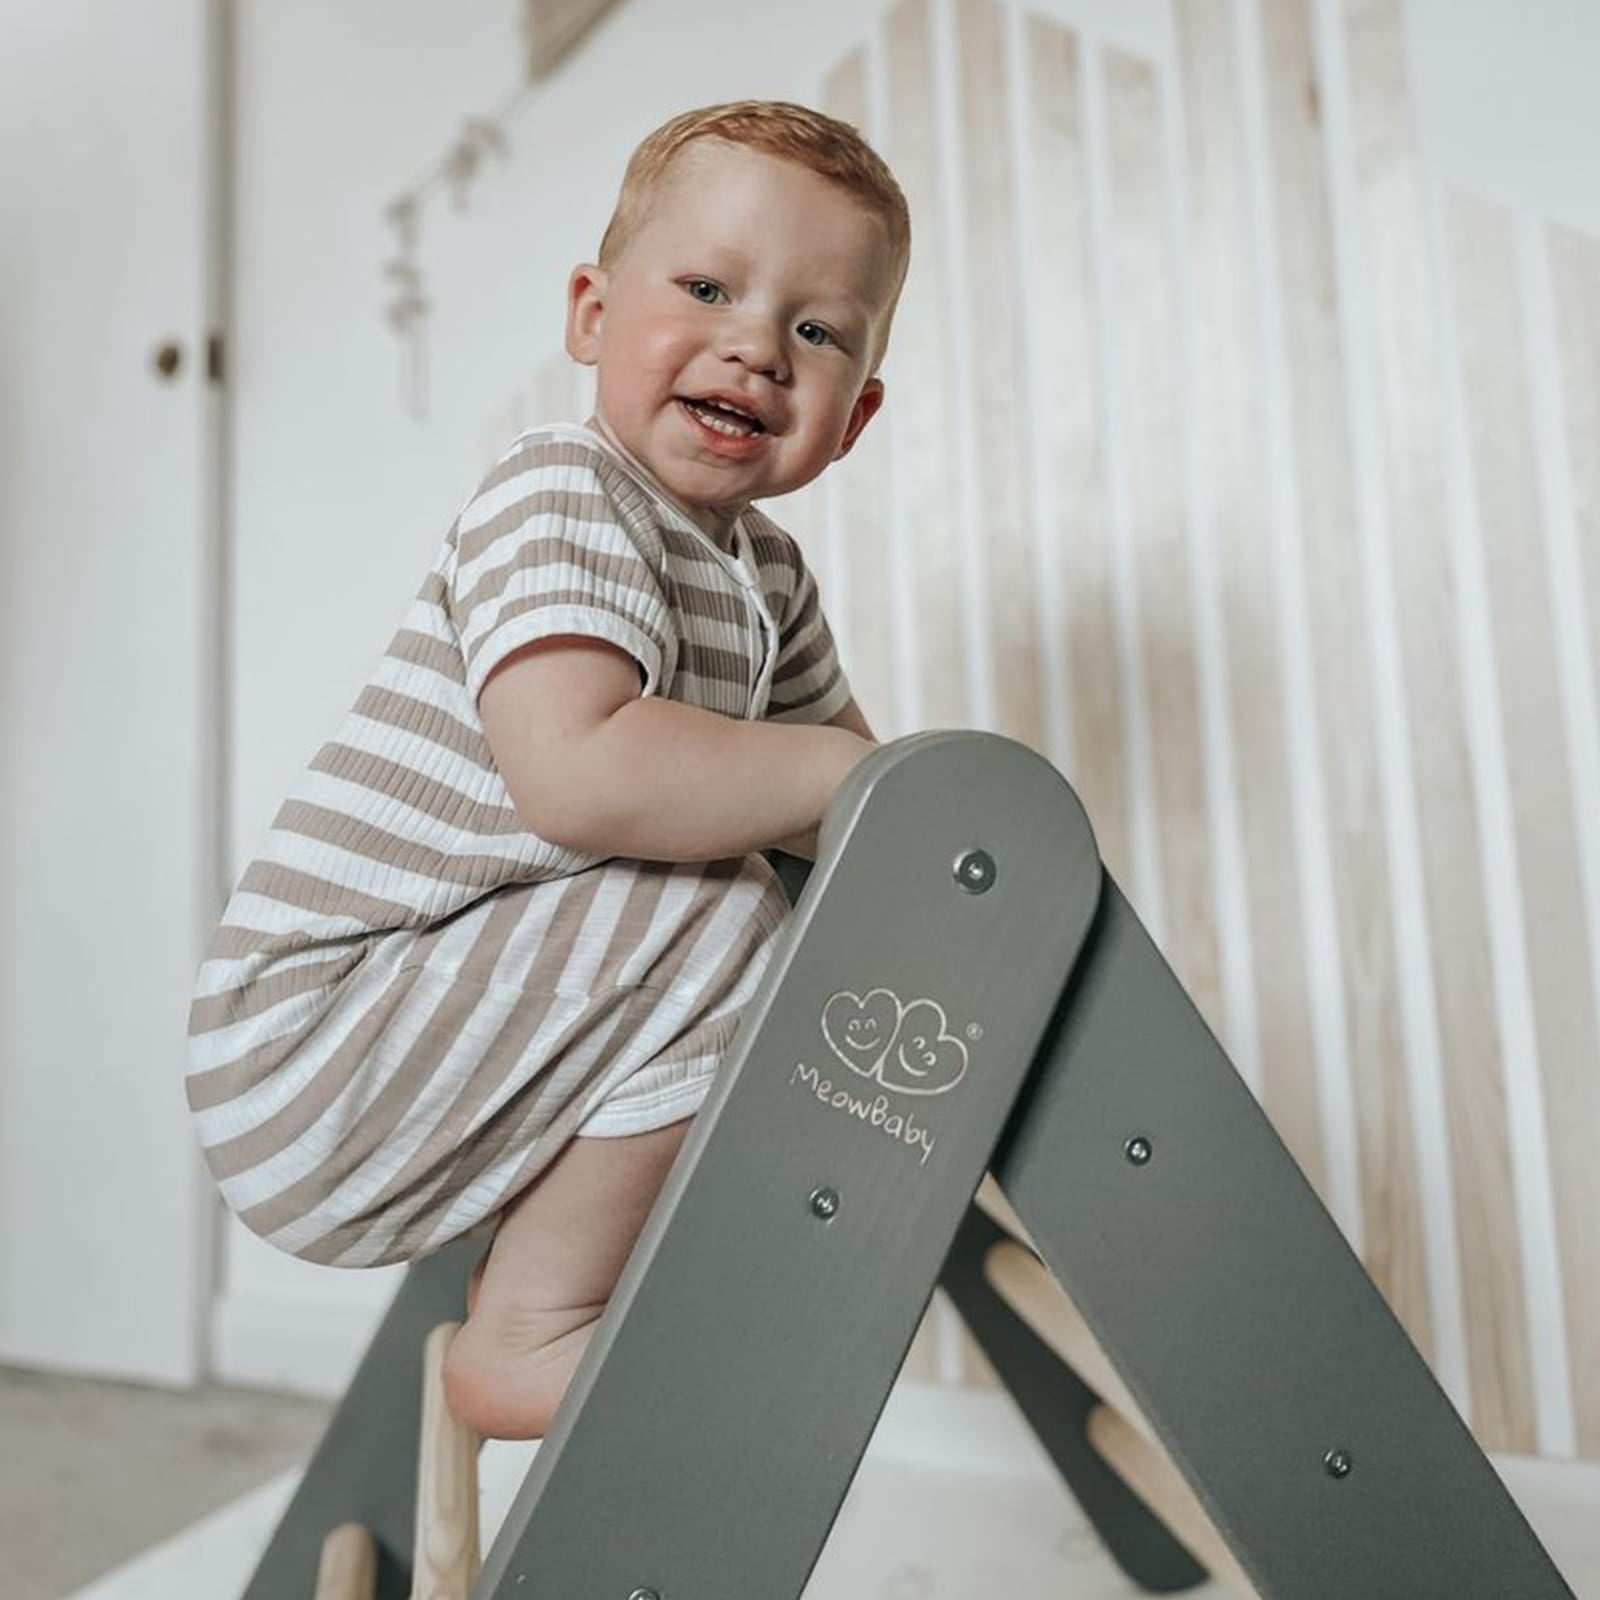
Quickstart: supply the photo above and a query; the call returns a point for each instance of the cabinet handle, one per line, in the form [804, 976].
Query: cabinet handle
[168, 359]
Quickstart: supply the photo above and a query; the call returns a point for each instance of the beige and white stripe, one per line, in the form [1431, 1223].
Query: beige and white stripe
[411, 1000]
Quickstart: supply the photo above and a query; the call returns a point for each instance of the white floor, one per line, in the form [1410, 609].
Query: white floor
[915, 1526]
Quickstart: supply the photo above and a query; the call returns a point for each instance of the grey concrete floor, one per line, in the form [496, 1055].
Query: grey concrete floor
[92, 1472]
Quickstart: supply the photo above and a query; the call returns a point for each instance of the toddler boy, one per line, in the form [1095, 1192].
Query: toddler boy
[504, 928]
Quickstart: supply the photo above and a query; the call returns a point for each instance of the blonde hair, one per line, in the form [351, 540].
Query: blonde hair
[832, 149]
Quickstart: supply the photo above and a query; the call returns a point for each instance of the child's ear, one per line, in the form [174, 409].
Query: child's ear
[866, 407]
[586, 290]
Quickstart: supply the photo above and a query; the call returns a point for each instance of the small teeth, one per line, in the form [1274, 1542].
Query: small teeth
[718, 408]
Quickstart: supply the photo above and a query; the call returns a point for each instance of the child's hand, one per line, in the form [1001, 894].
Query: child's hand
[846, 752]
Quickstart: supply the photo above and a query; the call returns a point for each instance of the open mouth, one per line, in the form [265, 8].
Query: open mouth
[727, 420]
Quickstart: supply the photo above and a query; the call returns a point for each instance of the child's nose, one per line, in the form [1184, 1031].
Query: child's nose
[756, 343]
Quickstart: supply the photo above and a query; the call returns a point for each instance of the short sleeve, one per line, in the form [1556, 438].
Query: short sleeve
[542, 549]
[808, 683]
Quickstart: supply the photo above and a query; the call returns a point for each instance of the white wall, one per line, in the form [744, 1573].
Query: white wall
[1505, 101]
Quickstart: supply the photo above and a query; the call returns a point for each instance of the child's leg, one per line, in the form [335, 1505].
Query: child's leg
[559, 1251]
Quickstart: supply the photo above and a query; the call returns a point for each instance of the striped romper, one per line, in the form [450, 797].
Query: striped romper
[411, 1002]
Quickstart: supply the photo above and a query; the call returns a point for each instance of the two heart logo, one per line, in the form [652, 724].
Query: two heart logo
[904, 1047]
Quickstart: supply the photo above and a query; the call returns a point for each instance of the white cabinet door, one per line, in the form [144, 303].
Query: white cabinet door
[107, 611]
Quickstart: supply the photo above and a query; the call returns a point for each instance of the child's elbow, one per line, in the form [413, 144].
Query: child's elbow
[559, 816]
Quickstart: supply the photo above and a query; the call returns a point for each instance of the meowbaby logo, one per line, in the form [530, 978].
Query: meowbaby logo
[906, 1049]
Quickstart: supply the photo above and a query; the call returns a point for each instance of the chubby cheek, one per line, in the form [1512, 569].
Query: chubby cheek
[833, 418]
[644, 368]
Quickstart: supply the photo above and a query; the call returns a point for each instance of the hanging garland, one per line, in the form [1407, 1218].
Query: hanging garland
[550, 29]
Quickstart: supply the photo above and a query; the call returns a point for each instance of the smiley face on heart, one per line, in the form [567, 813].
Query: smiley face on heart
[925, 1059]
[906, 1048]
[860, 1029]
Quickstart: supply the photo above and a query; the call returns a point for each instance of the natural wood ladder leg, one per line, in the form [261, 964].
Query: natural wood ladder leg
[349, 1566]
[447, 1554]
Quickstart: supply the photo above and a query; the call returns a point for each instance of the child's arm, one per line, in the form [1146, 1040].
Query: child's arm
[591, 765]
[848, 716]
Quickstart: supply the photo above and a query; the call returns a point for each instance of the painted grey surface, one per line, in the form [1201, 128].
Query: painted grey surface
[1056, 1403]
[1242, 1323]
[724, 1403]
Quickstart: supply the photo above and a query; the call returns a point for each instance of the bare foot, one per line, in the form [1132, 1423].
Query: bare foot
[558, 1251]
[506, 1373]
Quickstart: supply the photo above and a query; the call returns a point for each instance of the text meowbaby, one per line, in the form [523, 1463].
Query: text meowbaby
[877, 1112]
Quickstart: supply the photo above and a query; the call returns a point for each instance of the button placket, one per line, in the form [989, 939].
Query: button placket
[766, 625]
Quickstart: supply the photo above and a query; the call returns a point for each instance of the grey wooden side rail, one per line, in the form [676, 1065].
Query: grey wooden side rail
[962, 990]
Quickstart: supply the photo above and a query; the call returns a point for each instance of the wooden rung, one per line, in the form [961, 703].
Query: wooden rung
[1146, 1468]
[446, 1556]
[1023, 1281]
[348, 1569]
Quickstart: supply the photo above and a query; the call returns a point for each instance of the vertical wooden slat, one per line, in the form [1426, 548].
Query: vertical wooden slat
[1482, 1182]
[1489, 327]
[990, 233]
[1575, 275]
[1340, 655]
[1230, 438]
[1144, 312]
[1061, 345]
[860, 486]
[1575, 271]
[922, 426]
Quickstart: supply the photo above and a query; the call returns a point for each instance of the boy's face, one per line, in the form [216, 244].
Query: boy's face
[754, 281]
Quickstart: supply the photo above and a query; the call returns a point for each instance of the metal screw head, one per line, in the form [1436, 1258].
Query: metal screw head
[645, 1594]
[824, 1203]
[1138, 1150]
[1338, 1463]
[975, 871]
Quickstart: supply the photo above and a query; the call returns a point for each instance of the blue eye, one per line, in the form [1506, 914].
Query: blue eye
[827, 338]
[695, 284]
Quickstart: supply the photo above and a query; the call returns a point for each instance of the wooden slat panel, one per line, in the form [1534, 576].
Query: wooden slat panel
[1143, 300]
[1006, 541]
[860, 485]
[922, 426]
[1482, 1183]
[1340, 657]
[1061, 345]
[1490, 330]
[1230, 437]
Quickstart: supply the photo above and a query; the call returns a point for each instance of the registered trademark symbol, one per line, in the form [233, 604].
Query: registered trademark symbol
[974, 1031]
